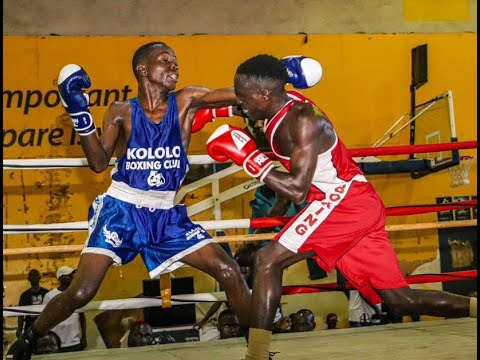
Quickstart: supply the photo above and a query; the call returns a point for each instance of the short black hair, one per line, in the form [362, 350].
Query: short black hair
[55, 337]
[143, 52]
[264, 67]
[226, 312]
[50, 335]
[33, 272]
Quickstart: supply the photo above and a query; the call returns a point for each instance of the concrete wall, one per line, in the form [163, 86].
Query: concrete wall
[146, 17]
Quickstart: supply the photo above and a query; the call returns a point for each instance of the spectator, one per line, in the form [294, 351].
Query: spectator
[360, 312]
[415, 318]
[388, 316]
[228, 325]
[47, 344]
[303, 320]
[71, 331]
[331, 321]
[32, 296]
[140, 334]
[282, 325]
[244, 257]
[113, 324]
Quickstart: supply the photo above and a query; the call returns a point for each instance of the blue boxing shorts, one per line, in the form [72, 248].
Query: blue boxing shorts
[122, 230]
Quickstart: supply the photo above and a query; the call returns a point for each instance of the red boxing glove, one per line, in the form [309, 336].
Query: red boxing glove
[228, 142]
[204, 116]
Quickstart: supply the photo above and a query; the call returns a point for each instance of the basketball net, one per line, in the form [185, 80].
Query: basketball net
[459, 173]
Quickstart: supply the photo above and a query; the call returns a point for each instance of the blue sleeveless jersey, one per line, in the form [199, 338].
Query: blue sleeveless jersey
[155, 158]
[137, 214]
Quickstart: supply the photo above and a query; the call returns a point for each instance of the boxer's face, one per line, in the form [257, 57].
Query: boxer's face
[161, 67]
[250, 98]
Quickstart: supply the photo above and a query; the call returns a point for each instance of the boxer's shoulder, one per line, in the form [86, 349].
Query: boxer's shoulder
[118, 110]
[120, 107]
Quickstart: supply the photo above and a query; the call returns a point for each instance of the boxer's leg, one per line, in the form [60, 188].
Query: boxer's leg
[408, 301]
[213, 260]
[373, 263]
[270, 261]
[86, 281]
[85, 284]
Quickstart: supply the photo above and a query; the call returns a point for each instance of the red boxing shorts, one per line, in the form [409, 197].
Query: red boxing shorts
[346, 230]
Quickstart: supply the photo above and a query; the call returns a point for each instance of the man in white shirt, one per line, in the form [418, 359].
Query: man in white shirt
[360, 312]
[72, 331]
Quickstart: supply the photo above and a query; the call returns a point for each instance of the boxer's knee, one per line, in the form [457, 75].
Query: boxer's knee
[400, 301]
[228, 272]
[265, 261]
[80, 296]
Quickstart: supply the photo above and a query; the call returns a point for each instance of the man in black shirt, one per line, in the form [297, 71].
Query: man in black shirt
[32, 296]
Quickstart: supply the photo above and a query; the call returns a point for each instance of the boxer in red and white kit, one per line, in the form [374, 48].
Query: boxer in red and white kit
[343, 226]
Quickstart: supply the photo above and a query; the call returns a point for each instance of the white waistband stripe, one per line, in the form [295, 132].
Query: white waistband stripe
[142, 198]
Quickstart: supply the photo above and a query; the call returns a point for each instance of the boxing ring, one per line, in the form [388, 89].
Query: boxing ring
[446, 338]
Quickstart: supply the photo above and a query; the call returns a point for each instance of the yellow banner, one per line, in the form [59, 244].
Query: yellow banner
[365, 81]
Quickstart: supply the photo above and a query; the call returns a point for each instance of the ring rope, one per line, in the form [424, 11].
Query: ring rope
[244, 238]
[135, 303]
[254, 223]
[32, 164]
[412, 149]
[412, 279]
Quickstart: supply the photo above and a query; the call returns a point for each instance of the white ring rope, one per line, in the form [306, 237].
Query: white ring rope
[212, 225]
[83, 226]
[65, 163]
[34, 164]
[120, 304]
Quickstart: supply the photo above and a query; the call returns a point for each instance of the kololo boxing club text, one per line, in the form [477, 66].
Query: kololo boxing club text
[138, 158]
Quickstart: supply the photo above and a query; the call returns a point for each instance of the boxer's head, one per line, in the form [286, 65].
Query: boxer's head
[258, 82]
[156, 63]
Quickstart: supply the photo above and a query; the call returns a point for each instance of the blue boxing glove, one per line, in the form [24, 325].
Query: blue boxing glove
[71, 82]
[303, 72]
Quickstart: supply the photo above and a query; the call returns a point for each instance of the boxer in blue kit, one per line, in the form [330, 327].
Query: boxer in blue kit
[149, 135]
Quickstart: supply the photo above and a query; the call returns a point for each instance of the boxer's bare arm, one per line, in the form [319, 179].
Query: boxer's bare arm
[310, 136]
[192, 98]
[99, 151]
[214, 99]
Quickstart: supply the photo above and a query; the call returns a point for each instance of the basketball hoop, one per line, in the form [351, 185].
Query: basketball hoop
[459, 173]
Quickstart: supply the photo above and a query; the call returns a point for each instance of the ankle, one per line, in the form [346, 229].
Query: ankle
[258, 344]
[473, 307]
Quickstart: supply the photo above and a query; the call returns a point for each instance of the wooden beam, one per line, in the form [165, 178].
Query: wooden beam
[243, 238]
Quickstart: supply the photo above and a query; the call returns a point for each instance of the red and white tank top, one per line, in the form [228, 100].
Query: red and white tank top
[334, 166]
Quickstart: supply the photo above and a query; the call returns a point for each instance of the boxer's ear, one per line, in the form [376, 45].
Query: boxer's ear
[265, 94]
[141, 70]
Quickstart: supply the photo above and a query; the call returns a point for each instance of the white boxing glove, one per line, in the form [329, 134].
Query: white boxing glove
[303, 72]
